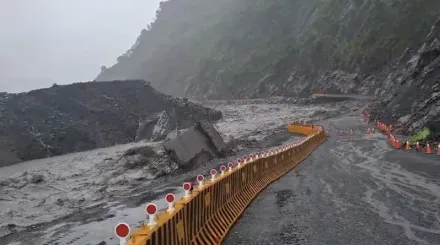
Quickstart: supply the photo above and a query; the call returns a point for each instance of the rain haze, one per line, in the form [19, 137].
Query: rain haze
[52, 41]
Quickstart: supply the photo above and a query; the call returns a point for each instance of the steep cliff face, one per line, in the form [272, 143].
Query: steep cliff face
[230, 48]
[84, 116]
[257, 48]
[412, 91]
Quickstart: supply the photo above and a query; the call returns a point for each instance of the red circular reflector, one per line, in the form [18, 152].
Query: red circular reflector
[223, 168]
[170, 197]
[200, 177]
[186, 186]
[122, 230]
[213, 172]
[151, 209]
[230, 164]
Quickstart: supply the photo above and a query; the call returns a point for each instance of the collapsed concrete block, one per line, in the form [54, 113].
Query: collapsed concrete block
[198, 144]
[214, 137]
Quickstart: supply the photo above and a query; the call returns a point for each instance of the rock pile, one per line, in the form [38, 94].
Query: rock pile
[84, 116]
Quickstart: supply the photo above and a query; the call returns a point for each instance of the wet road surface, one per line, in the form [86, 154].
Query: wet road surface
[351, 190]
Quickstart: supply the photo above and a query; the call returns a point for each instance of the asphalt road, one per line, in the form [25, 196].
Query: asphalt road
[351, 190]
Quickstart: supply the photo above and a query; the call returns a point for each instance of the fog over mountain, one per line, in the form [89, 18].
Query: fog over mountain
[258, 48]
[206, 49]
[50, 41]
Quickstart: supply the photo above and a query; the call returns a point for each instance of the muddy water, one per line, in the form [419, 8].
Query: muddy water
[78, 198]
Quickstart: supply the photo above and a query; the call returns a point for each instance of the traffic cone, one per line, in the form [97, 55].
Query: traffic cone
[397, 144]
[391, 137]
[341, 133]
[391, 140]
[428, 149]
[438, 150]
[373, 131]
[368, 131]
[407, 147]
[387, 130]
[418, 147]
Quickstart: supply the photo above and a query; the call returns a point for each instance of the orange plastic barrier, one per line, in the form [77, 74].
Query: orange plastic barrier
[418, 146]
[407, 146]
[429, 149]
[207, 214]
[387, 129]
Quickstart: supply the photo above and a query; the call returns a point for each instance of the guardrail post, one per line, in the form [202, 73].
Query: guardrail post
[213, 173]
[187, 189]
[222, 169]
[200, 179]
[122, 231]
[151, 209]
[170, 200]
[239, 162]
[230, 165]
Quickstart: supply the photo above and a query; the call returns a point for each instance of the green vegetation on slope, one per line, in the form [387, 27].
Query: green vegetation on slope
[420, 136]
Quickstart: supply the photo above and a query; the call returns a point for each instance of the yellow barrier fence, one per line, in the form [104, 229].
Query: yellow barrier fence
[209, 212]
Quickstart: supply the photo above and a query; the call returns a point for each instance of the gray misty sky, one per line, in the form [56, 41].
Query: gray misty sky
[64, 41]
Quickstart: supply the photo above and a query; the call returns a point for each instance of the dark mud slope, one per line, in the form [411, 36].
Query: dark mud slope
[84, 116]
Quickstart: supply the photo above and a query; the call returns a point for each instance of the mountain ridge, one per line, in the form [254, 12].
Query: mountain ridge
[259, 48]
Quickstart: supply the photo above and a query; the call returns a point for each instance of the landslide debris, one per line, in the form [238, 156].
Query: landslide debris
[83, 116]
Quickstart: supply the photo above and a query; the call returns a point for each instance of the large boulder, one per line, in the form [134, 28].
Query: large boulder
[156, 127]
[198, 144]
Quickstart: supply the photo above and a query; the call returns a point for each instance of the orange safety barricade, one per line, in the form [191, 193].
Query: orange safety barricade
[207, 214]
[408, 146]
[418, 146]
[428, 149]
